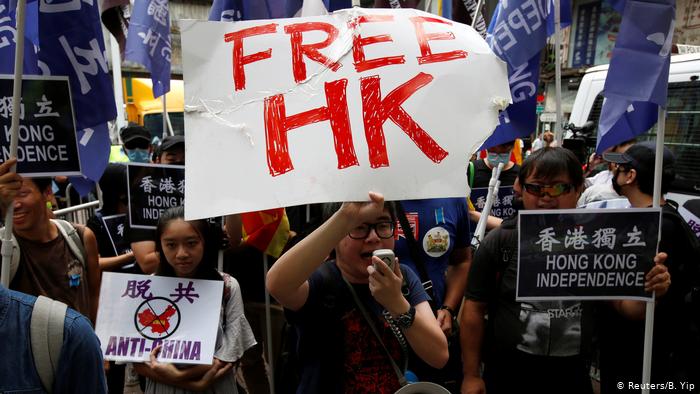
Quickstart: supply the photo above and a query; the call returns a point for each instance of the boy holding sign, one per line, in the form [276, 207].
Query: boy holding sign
[534, 346]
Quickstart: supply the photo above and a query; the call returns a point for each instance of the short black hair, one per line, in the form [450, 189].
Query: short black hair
[645, 177]
[42, 183]
[550, 163]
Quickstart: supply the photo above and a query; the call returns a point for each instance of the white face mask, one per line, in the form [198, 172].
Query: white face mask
[496, 158]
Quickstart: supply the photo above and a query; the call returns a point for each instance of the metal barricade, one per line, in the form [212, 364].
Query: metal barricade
[81, 212]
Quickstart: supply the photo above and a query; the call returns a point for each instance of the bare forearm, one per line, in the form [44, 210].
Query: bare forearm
[457, 275]
[426, 338]
[115, 262]
[188, 379]
[293, 268]
[146, 256]
[471, 336]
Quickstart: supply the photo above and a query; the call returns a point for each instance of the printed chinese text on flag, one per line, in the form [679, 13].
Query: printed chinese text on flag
[267, 231]
[65, 39]
[637, 81]
[148, 42]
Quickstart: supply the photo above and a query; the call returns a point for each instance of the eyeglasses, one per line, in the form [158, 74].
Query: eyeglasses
[384, 230]
[555, 190]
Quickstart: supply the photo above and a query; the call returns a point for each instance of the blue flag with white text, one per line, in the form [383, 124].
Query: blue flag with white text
[148, 41]
[64, 38]
[637, 81]
[240, 10]
[517, 33]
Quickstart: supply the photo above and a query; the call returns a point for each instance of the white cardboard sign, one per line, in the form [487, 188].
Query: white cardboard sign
[139, 312]
[290, 111]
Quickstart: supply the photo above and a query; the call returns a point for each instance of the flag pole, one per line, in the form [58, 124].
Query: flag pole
[476, 13]
[558, 132]
[16, 111]
[656, 203]
[268, 327]
[117, 80]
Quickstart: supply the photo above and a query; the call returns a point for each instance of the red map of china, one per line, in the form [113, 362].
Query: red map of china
[158, 324]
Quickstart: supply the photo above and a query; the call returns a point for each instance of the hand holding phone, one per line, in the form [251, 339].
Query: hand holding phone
[387, 256]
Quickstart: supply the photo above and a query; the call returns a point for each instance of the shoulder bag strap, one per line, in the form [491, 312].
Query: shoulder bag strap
[75, 243]
[46, 333]
[415, 252]
[368, 318]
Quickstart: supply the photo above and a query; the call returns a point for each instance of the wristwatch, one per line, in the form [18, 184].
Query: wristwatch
[404, 320]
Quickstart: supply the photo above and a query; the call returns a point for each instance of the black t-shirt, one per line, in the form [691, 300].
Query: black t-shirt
[539, 334]
[482, 175]
[622, 340]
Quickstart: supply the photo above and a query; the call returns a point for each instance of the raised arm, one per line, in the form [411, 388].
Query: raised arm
[287, 280]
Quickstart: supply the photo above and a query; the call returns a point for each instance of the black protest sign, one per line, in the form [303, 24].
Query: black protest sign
[586, 254]
[153, 188]
[116, 229]
[502, 206]
[47, 143]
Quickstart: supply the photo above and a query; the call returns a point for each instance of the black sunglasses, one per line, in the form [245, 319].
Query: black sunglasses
[555, 190]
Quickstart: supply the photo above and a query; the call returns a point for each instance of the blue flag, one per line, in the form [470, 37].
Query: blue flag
[240, 10]
[293, 6]
[94, 146]
[517, 33]
[148, 41]
[71, 43]
[64, 38]
[637, 81]
[8, 35]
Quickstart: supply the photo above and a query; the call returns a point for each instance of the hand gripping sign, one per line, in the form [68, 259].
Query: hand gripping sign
[140, 312]
[290, 111]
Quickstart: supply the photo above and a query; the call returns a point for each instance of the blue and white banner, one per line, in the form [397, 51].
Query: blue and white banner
[64, 38]
[148, 42]
[517, 33]
[637, 81]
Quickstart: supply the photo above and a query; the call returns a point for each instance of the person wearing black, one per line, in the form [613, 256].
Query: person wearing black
[496, 154]
[676, 347]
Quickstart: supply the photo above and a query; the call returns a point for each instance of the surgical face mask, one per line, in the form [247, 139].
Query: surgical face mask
[138, 155]
[496, 158]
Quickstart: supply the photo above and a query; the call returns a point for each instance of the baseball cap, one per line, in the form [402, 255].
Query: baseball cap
[640, 156]
[171, 142]
[134, 133]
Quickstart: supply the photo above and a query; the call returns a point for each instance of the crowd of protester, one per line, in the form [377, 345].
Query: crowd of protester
[443, 312]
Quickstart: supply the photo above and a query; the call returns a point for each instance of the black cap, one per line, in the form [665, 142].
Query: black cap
[641, 156]
[171, 142]
[133, 133]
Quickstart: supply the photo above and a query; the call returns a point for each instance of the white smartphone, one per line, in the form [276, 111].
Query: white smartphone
[386, 255]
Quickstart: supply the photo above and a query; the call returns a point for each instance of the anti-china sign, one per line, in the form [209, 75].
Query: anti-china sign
[292, 111]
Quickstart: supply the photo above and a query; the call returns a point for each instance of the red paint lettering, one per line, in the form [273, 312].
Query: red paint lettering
[427, 55]
[277, 124]
[238, 59]
[311, 51]
[376, 111]
[358, 44]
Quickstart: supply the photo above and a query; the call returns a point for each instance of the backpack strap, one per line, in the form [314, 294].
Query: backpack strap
[73, 239]
[46, 330]
[14, 263]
